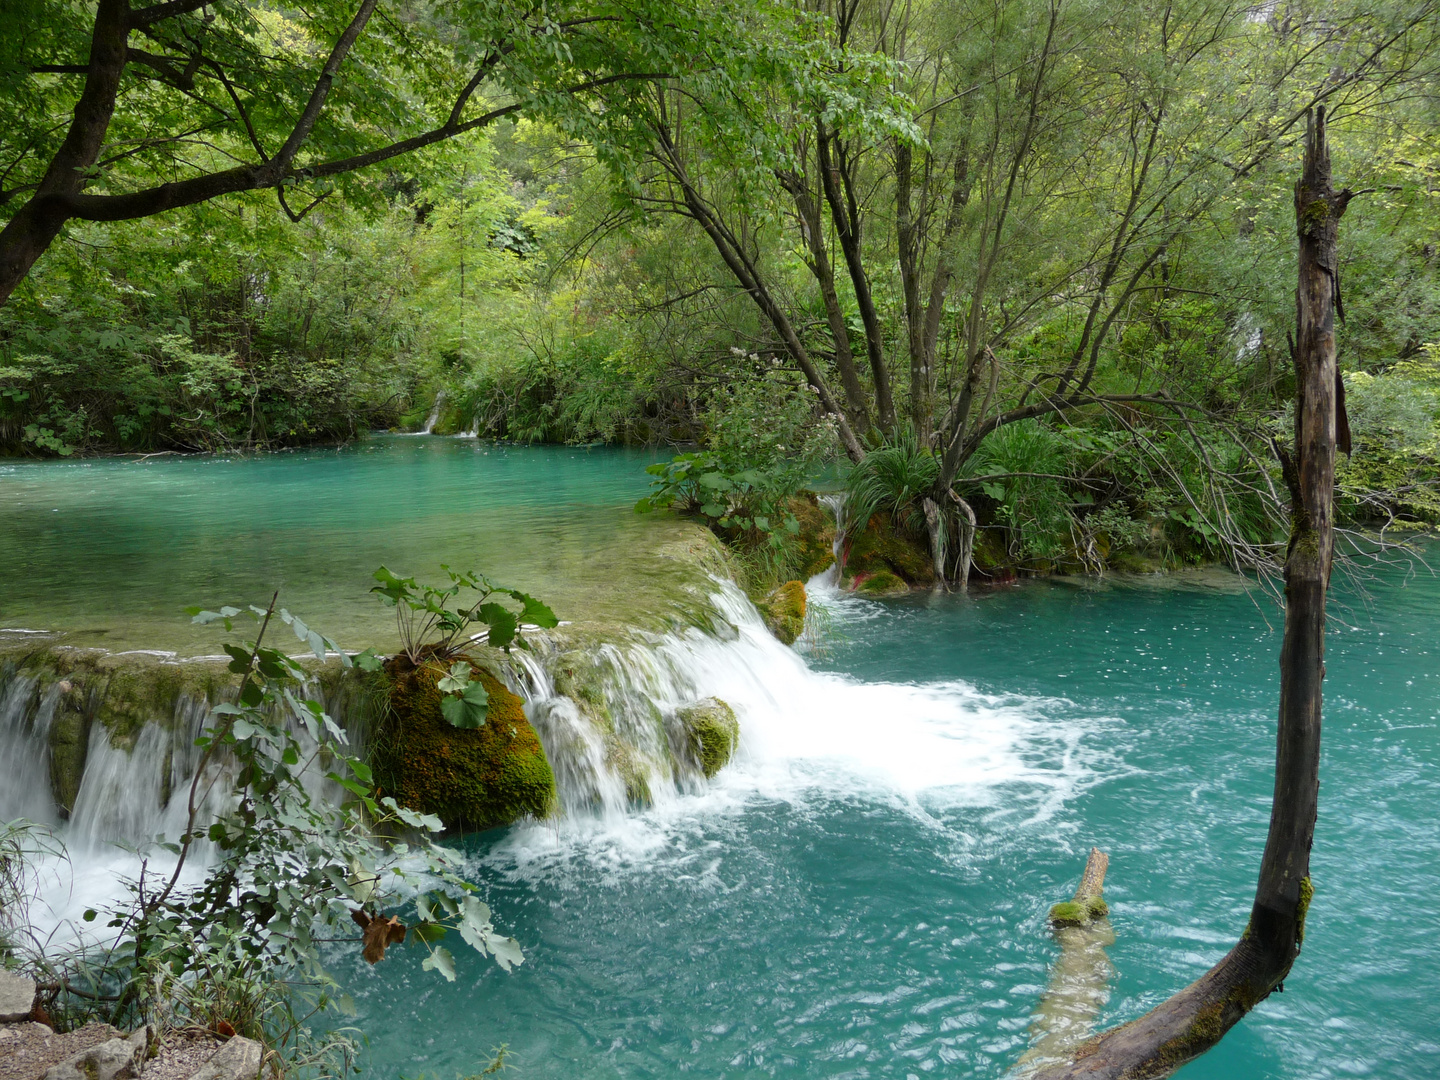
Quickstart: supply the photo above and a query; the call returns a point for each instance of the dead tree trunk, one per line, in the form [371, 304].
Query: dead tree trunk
[1197, 1017]
[1080, 977]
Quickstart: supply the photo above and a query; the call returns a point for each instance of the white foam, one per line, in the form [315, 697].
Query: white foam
[810, 738]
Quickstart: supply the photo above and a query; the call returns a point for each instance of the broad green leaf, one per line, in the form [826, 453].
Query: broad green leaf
[507, 952]
[440, 960]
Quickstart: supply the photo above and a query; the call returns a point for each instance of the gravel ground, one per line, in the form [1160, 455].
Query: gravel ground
[181, 1054]
[27, 1050]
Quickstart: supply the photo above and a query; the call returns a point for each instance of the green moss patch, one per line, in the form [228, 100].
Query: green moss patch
[472, 779]
[784, 611]
[712, 734]
[880, 548]
[882, 583]
[815, 543]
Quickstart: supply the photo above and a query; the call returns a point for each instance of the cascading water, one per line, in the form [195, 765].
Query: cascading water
[434, 417]
[25, 750]
[829, 578]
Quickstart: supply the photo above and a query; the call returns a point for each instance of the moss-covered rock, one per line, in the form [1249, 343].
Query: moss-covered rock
[784, 611]
[882, 583]
[712, 734]
[471, 778]
[815, 542]
[881, 548]
[69, 745]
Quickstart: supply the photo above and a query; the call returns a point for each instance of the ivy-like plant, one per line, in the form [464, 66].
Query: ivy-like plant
[435, 629]
[290, 866]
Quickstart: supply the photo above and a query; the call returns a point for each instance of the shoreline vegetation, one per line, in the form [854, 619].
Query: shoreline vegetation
[1019, 274]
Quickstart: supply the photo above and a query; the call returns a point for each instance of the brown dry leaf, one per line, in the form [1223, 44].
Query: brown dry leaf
[378, 933]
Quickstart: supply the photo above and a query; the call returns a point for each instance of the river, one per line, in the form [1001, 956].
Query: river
[863, 892]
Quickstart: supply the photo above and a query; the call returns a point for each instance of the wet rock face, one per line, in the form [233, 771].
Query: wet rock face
[882, 551]
[476, 778]
[815, 541]
[784, 611]
[712, 734]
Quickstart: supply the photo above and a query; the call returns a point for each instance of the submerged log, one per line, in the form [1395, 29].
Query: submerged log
[1080, 977]
[1195, 1019]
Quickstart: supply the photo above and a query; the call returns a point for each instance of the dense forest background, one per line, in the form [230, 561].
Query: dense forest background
[1037, 253]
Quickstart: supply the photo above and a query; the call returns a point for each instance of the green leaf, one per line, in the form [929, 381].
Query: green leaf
[368, 661]
[535, 613]
[502, 623]
[469, 709]
[713, 510]
[440, 960]
[239, 658]
[429, 932]
[507, 952]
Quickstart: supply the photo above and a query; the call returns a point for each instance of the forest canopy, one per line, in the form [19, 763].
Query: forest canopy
[1038, 252]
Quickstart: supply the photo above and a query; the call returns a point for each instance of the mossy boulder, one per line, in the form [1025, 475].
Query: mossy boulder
[712, 734]
[881, 548]
[476, 778]
[883, 583]
[784, 611]
[815, 542]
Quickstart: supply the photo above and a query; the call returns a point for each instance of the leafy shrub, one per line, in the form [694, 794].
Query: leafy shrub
[892, 478]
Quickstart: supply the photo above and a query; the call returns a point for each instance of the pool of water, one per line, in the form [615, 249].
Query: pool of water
[864, 893]
[112, 550]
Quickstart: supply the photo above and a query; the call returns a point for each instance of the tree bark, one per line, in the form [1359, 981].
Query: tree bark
[812, 229]
[1196, 1018]
[839, 192]
[35, 225]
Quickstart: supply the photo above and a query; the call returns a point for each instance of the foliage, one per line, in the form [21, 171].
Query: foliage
[434, 629]
[1393, 472]
[892, 478]
[1022, 463]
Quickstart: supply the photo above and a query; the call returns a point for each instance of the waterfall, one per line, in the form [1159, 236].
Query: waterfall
[25, 749]
[434, 416]
[829, 578]
[612, 716]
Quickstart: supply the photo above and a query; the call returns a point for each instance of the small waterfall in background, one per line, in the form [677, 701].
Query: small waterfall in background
[434, 417]
[829, 578]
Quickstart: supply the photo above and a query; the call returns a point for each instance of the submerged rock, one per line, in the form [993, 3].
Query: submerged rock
[475, 778]
[784, 611]
[882, 583]
[712, 733]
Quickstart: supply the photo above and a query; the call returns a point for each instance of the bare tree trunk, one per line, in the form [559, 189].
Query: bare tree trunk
[35, 225]
[812, 228]
[966, 555]
[839, 190]
[1080, 978]
[1196, 1018]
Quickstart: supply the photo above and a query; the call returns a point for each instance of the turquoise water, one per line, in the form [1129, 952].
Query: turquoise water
[112, 550]
[853, 911]
[862, 894]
